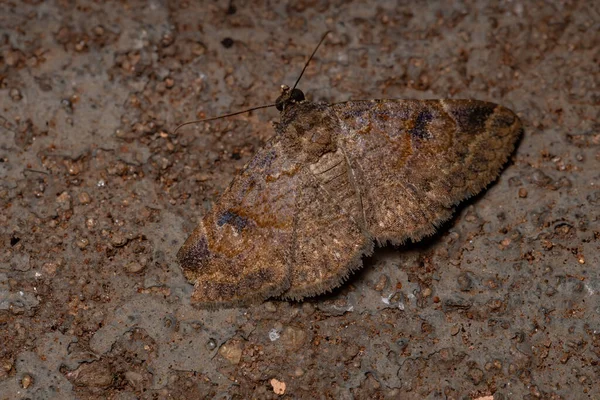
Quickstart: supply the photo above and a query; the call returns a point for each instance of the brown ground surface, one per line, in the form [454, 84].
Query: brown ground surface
[97, 195]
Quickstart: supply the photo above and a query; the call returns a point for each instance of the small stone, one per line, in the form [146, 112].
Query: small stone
[118, 240]
[211, 344]
[293, 338]
[382, 283]
[134, 378]
[50, 268]
[92, 375]
[7, 365]
[82, 243]
[278, 386]
[232, 351]
[495, 304]
[15, 94]
[270, 307]
[274, 335]
[119, 168]
[26, 381]
[84, 198]
[99, 30]
[464, 282]
[540, 178]
[426, 292]
[351, 351]
[73, 168]
[64, 200]
[522, 193]
[134, 267]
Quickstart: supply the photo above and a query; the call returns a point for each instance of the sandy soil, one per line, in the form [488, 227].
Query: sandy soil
[97, 194]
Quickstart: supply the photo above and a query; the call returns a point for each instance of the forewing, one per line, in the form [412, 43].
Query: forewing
[415, 160]
[241, 252]
[328, 242]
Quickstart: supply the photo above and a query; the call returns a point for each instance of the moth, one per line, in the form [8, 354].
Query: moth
[334, 180]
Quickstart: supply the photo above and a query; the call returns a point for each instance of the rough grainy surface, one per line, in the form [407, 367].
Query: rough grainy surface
[97, 195]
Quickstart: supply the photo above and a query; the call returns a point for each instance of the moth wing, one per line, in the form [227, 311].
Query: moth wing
[241, 251]
[328, 243]
[415, 160]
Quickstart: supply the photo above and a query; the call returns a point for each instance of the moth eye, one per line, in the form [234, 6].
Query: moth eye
[297, 95]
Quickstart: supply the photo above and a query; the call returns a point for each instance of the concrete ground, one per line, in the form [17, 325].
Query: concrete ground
[97, 194]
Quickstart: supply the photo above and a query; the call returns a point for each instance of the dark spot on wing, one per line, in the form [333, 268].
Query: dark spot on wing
[472, 118]
[264, 161]
[420, 129]
[504, 120]
[232, 219]
[196, 256]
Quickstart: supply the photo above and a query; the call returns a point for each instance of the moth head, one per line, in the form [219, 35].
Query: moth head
[288, 96]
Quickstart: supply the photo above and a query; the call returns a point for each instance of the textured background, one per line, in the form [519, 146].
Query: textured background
[97, 195]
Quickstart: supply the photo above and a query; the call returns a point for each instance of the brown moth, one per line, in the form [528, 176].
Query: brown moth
[296, 221]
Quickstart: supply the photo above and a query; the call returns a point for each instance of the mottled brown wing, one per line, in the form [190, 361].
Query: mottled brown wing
[415, 160]
[241, 252]
[328, 243]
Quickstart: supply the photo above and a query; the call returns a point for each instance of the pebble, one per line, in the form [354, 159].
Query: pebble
[92, 375]
[6, 364]
[426, 292]
[99, 30]
[464, 282]
[134, 378]
[211, 344]
[540, 178]
[232, 351]
[274, 335]
[15, 94]
[50, 268]
[84, 198]
[82, 243]
[64, 200]
[26, 381]
[118, 240]
[134, 267]
[278, 386]
[522, 193]
[382, 283]
[293, 338]
[454, 330]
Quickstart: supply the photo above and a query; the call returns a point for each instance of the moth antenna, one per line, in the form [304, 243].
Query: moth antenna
[310, 58]
[259, 107]
[197, 121]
